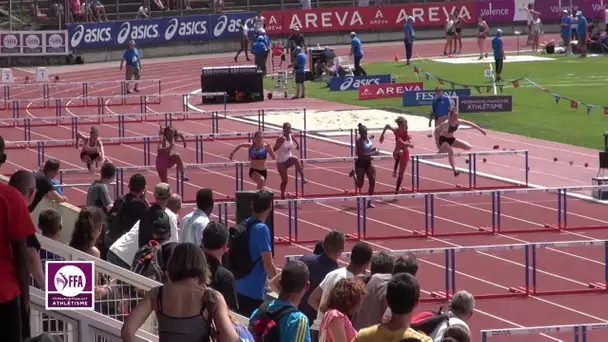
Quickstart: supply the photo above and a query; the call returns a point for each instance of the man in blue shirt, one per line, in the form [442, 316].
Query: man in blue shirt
[499, 54]
[251, 288]
[408, 40]
[260, 51]
[319, 265]
[293, 325]
[356, 50]
[300, 68]
[566, 31]
[131, 57]
[440, 108]
[581, 31]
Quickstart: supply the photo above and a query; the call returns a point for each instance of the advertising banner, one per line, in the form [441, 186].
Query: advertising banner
[366, 18]
[426, 97]
[34, 43]
[354, 82]
[385, 91]
[158, 30]
[483, 104]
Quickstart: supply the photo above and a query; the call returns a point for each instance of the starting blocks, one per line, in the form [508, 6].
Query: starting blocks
[7, 76]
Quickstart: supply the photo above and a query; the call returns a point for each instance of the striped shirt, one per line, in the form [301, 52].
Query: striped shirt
[292, 327]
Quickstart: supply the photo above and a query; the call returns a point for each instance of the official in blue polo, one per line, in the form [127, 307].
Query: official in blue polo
[133, 62]
[408, 40]
[356, 50]
[267, 42]
[498, 47]
[260, 50]
[581, 32]
[440, 108]
[299, 66]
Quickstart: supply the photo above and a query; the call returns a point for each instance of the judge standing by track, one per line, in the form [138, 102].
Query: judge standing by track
[133, 66]
[356, 50]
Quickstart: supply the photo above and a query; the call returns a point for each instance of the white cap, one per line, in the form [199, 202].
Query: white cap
[353, 33]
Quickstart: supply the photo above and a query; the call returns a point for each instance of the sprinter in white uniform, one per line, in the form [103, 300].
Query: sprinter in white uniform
[285, 158]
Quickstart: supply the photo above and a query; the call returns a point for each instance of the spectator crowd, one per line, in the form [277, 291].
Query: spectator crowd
[208, 270]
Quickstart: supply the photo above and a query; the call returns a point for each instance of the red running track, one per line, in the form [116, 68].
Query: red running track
[477, 272]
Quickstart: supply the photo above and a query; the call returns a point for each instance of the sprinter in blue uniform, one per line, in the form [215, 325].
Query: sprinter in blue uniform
[258, 152]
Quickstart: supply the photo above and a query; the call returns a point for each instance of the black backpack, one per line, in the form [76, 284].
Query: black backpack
[426, 322]
[148, 262]
[265, 327]
[238, 260]
[113, 229]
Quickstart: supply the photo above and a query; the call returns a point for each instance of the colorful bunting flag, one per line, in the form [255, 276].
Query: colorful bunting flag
[516, 83]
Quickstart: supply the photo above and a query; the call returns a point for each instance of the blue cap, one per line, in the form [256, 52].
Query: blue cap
[499, 32]
[297, 48]
[260, 39]
[410, 19]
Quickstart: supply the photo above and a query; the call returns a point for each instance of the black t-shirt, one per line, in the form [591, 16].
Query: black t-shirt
[43, 186]
[222, 280]
[326, 55]
[132, 211]
[145, 224]
[295, 40]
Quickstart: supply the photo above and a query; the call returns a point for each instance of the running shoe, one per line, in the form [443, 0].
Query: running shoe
[370, 205]
[90, 166]
[185, 178]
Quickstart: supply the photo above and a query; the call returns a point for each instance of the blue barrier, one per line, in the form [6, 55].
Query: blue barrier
[158, 30]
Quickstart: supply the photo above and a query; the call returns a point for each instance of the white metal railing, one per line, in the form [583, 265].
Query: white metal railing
[76, 325]
[129, 289]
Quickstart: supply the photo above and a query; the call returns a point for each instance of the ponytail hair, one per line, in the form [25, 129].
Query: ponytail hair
[84, 234]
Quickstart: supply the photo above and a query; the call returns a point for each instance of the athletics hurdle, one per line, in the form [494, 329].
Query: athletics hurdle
[580, 332]
[83, 87]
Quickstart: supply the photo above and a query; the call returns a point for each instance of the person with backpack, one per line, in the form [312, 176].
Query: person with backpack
[381, 269]
[151, 261]
[249, 257]
[279, 320]
[162, 194]
[462, 306]
[186, 309]
[122, 252]
[126, 210]
[402, 297]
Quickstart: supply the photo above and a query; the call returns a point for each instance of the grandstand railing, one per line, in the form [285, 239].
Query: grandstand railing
[129, 288]
[579, 331]
[530, 286]
[76, 325]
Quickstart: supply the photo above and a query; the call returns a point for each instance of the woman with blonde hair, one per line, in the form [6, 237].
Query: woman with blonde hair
[178, 319]
[344, 300]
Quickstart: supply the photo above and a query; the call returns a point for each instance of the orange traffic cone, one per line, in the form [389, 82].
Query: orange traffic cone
[396, 58]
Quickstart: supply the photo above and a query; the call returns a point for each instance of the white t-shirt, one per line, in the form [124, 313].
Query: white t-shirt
[327, 285]
[193, 225]
[437, 334]
[128, 244]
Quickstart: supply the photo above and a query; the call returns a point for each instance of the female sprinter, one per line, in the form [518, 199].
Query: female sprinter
[450, 31]
[403, 143]
[482, 34]
[458, 24]
[258, 152]
[92, 149]
[446, 142]
[363, 163]
[285, 158]
[165, 157]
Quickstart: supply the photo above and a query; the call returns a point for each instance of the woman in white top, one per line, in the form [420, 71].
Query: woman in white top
[535, 32]
[450, 32]
[285, 158]
[91, 149]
